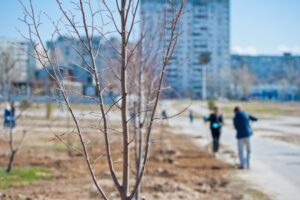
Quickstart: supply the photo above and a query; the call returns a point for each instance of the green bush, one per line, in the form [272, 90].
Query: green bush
[48, 110]
[211, 103]
[24, 104]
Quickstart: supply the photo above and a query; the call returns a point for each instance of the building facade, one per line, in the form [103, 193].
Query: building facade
[276, 77]
[203, 28]
[17, 65]
[68, 53]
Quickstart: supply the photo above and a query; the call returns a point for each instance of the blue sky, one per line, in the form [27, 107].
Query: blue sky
[257, 26]
[265, 26]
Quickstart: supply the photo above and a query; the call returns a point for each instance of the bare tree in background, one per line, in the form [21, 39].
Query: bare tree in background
[243, 80]
[80, 24]
[9, 73]
[218, 82]
[143, 88]
[14, 147]
[289, 77]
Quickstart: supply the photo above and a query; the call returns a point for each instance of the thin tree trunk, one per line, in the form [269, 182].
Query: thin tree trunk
[125, 184]
[136, 142]
[69, 137]
[139, 159]
[140, 135]
[12, 151]
[11, 161]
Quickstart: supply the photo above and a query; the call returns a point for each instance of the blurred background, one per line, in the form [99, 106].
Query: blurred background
[228, 53]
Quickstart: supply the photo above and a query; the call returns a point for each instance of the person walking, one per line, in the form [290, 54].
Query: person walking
[216, 123]
[132, 112]
[244, 131]
[191, 116]
[9, 116]
[164, 117]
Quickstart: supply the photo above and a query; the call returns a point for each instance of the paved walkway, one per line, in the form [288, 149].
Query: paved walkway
[275, 165]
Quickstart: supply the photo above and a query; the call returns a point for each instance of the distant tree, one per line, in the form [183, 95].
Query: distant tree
[243, 80]
[204, 58]
[211, 103]
[10, 133]
[8, 74]
[291, 76]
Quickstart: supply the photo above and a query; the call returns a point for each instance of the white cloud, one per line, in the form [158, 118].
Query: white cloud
[288, 49]
[248, 50]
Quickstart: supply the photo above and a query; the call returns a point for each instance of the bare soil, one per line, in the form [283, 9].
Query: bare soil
[177, 169]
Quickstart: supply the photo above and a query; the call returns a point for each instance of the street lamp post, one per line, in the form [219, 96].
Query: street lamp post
[204, 59]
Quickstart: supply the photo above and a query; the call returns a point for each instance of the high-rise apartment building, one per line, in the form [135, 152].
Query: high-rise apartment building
[18, 55]
[17, 65]
[204, 28]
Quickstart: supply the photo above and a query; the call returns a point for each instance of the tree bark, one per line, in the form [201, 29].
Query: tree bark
[11, 161]
[125, 184]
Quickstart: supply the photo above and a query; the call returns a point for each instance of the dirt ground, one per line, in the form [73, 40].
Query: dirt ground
[177, 169]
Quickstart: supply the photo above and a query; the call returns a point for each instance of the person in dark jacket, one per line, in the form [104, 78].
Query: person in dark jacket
[9, 116]
[242, 125]
[164, 117]
[191, 116]
[216, 123]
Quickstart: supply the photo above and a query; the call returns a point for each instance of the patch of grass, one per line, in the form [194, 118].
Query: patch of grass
[248, 190]
[76, 106]
[59, 146]
[256, 194]
[271, 109]
[23, 176]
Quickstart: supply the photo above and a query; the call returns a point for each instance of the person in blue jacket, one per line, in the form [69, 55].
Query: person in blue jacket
[9, 116]
[244, 131]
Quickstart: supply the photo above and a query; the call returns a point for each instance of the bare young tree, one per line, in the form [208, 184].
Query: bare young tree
[142, 89]
[243, 80]
[9, 73]
[81, 24]
[14, 147]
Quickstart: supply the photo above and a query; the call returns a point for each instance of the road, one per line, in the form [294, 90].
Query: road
[275, 165]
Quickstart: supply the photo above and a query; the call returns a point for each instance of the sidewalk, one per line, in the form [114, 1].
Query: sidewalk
[275, 167]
